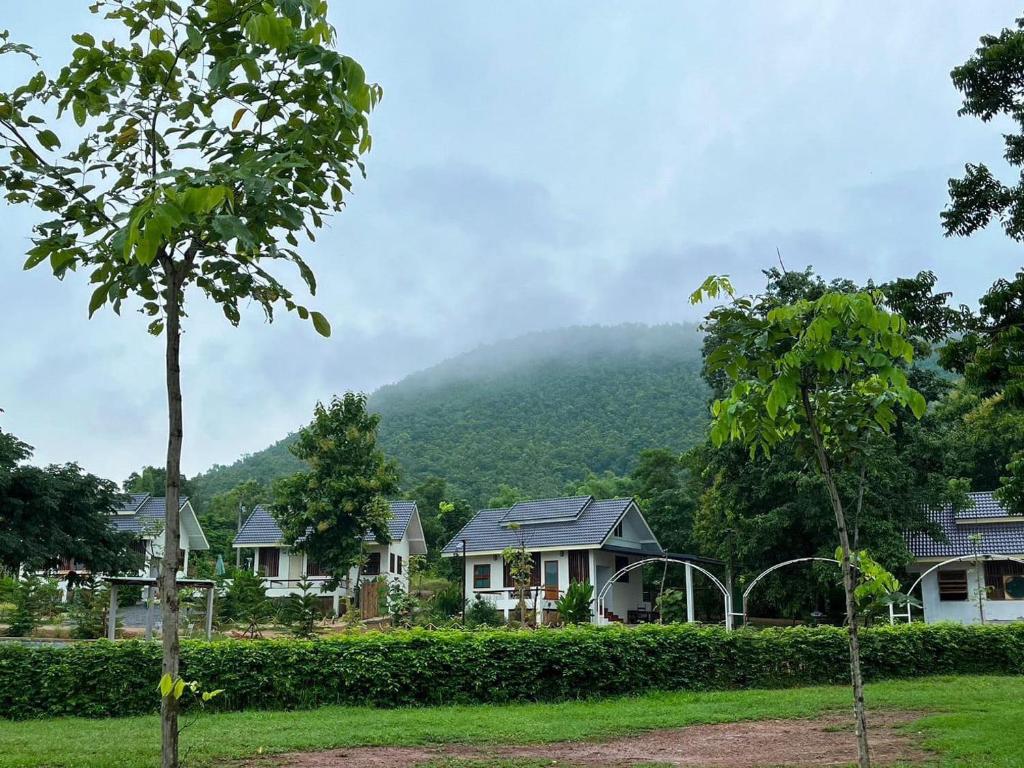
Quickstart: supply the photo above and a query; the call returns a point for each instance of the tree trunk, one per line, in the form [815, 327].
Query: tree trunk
[864, 757]
[168, 576]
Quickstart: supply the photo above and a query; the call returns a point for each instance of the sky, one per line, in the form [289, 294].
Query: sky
[535, 165]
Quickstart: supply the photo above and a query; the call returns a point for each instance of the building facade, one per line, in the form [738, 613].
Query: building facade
[260, 542]
[987, 583]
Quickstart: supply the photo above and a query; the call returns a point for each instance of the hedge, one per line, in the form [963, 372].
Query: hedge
[419, 667]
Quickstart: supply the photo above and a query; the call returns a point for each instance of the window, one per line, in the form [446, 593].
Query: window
[314, 569]
[621, 561]
[391, 563]
[998, 575]
[482, 576]
[952, 585]
[399, 571]
[617, 530]
[550, 579]
[372, 564]
[270, 562]
[579, 566]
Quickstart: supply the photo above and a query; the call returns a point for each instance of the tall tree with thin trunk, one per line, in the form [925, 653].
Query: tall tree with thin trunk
[190, 149]
[827, 374]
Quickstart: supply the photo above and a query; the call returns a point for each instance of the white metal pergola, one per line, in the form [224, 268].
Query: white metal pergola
[690, 566]
[777, 566]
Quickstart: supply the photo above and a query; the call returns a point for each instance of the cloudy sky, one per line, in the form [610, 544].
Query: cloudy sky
[536, 165]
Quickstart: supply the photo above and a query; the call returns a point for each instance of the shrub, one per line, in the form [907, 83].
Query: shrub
[446, 602]
[27, 606]
[574, 607]
[451, 666]
[480, 613]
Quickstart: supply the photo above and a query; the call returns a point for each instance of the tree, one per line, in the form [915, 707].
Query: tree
[57, 513]
[991, 352]
[326, 511]
[519, 562]
[153, 480]
[207, 137]
[220, 516]
[506, 496]
[825, 374]
[575, 606]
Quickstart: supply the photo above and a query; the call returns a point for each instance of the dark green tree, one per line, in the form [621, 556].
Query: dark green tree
[50, 514]
[153, 480]
[991, 353]
[326, 510]
[203, 139]
[220, 515]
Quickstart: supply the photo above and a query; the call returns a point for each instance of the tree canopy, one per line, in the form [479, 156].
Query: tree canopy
[326, 510]
[57, 513]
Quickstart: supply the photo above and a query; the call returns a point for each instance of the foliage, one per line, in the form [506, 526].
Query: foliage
[88, 610]
[300, 610]
[245, 601]
[542, 410]
[574, 607]
[519, 562]
[27, 606]
[671, 605]
[441, 514]
[153, 480]
[325, 510]
[397, 603]
[480, 613]
[56, 512]
[420, 667]
[447, 602]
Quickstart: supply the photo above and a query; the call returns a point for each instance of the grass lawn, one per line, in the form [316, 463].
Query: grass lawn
[972, 721]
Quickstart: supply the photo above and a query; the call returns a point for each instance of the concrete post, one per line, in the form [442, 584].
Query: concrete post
[112, 614]
[209, 613]
[149, 612]
[690, 613]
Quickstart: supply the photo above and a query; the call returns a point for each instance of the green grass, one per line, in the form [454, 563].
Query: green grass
[972, 721]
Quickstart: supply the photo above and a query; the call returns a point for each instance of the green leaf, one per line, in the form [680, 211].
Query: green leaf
[179, 688]
[48, 139]
[239, 114]
[84, 39]
[78, 110]
[320, 323]
[99, 298]
[166, 684]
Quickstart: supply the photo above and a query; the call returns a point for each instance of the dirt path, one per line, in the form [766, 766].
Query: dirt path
[828, 740]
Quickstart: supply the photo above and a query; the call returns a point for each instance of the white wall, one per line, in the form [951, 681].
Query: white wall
[966, 611]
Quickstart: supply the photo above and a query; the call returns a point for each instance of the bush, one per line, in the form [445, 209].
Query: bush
[451, 666]
[28, 605]
[574, 605]
[480, 613]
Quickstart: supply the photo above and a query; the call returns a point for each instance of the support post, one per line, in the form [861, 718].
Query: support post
[690, 612]
[112, 614]
[149, 612]
[209, 613]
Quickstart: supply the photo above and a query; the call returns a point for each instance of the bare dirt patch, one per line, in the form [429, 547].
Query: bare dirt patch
[828, 740]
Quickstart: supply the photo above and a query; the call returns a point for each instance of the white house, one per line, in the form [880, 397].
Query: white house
[571, 539]
[282, 569]
[951, 592]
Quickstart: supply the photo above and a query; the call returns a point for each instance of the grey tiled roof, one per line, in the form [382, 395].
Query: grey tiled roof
[261, 527]
[148, 515]
[996, 538]
[985, 505]
[488, 531]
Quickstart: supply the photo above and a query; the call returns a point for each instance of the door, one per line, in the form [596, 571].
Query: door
[550, 579]
[601, 575]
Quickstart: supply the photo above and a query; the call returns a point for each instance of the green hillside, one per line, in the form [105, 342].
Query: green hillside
[534, 412]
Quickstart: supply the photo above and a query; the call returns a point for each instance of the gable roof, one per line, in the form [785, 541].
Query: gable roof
[1003, 538]
[144, 515]
[578, 521]
[261, 528]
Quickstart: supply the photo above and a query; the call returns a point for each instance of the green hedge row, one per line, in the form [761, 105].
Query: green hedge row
[431, 667]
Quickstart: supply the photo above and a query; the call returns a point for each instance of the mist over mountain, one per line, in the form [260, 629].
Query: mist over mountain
[535, 412]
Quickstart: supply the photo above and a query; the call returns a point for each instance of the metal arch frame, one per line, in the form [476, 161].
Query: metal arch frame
[980, 556]
[777, 566]
[665, 559]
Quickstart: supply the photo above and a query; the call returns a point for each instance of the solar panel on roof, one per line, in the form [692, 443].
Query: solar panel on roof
[546, 510]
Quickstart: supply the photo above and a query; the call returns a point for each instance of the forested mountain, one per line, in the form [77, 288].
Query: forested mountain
[536, 412]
